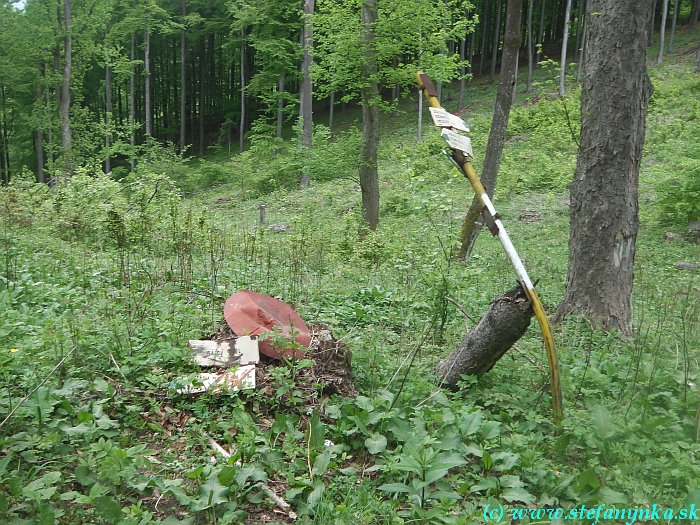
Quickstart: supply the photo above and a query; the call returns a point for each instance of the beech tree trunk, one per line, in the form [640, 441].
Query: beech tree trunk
[108, 114]
[241, 128]
[529, 46]
[496, 37]
[506, 321]
[497, 136]
[40, 139]
[664, 15]
[183, 78]
[369, 178]
[64, 98]
[307, 88]
[564, 45]
[604, 191]
[147, 69]
[132, 102]
[676, 5]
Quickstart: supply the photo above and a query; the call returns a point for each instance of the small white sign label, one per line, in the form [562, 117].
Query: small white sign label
[457, 141]
[443, 119]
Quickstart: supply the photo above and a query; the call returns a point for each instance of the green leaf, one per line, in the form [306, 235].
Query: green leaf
[603, 423]
[611, 497]
[396, 487]
[470, 423]
[517, 494]
[316, 494]
[487, 460]
[562, 443]
[172, 520]
[318, 432]
[376, 443]
[588, 478]
[321, 462]
[108, 508]
[491, 429]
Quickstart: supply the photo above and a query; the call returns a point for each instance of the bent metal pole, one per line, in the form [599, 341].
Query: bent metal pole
[461, 153]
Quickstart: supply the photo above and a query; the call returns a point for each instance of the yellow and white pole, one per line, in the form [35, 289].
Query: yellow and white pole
[461, 152]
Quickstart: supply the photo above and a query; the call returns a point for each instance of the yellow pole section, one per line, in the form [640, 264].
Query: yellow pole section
[542, 319]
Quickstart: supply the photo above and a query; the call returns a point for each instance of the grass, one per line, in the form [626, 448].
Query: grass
[119, 280]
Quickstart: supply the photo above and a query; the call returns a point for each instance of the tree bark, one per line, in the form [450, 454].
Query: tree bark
[40, 136]
[147, 70]
[676, 5]
[183, 78]
[280, 104]
[108, 114]
[462, 81]
[484, 34]
[369, 178]
[497, 136]
[564, 45]
[132, 101]
[694, 14]
[604, 191]
[540, 31]
[64, 98]
[330, 113]
[202, 75]
[307, 89]
[505, 322]
[241, 129]
[664, 15]
[529, 46]
[496, 38]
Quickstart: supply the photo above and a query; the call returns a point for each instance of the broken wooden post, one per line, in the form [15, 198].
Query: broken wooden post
[506, 321]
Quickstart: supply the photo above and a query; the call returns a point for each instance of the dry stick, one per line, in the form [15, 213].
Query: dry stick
[37, 387]
[275, 498]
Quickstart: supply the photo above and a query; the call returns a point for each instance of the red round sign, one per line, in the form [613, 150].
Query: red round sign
[251, 313]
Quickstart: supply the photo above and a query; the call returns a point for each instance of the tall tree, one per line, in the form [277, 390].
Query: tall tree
[497, 136]
[306, 99]
[369, 178]
[64, 91]
[604, 194]
[664, 14]
[564, 45]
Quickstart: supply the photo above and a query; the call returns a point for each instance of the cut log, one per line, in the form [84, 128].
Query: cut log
[506, 321]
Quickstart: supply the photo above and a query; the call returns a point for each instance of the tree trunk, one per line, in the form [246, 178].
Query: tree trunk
[528, 89]
[496, 38]
[697, 59]
[183, 79]
[694, 14]
[497, 136]
[64, 98]
[462, 81]
[652, 19]
[241, 128]
[307, 89]
[369, 179]
[664, 14]
[562, 72]
[147, 89]
[604, 191]
[108, 114]
[484, 32]
[330, 113]
[582, 55]
[132, 101]
[40, 138]
[505, 322]
[540, 31]
[202, 74]
[280, 104]
[676, 5]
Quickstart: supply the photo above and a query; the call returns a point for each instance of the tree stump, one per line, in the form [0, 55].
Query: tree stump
[506, 321]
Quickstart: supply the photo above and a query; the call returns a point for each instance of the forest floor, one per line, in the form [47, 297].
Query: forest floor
[100, 290]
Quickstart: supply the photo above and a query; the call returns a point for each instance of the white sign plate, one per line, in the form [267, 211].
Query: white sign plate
[457, 141]
[443, 119]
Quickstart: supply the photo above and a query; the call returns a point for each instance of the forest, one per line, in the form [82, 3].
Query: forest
[157, 157]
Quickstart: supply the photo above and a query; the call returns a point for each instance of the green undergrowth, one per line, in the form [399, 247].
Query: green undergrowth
[102, 282]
